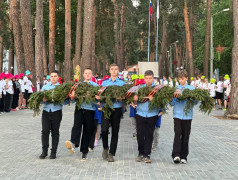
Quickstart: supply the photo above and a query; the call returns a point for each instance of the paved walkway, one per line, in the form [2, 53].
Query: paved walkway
[213, 151]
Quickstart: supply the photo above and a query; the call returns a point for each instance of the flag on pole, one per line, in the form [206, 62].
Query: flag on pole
[151, 10]
[157, 9]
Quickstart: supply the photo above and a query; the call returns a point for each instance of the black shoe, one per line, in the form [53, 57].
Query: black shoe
[84, 156]
[52, 155]
[110, 158]
[43, 155]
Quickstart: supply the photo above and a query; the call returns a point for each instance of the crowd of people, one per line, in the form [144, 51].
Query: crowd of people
[15, 90]
[90, 123]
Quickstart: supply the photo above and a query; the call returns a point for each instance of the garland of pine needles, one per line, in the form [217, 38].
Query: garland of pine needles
[56, 96]
[203, 96]
[85, 93]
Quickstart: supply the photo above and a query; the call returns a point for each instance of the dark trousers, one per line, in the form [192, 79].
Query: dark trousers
[92, 139]
[8, 102]
[50, 123]
[82, 118]
[145, 130]
[2, 103]
[114, 119]
[182, 129]
[15, 101]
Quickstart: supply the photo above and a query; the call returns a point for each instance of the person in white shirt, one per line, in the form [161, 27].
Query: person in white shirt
[165, 82]
[30, 87]
[1, 93]
[219, 91]
[226, 82]
[22, 91]
[192, 82]
[37, 84]
[125, 72]
[8, 86]
[171, 84]
[206, 84]
[197, 84]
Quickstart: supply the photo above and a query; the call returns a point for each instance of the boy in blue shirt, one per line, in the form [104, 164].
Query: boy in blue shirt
[51, 119]
[83, 117]
[182, 122]
[145, 122]
[114, 119]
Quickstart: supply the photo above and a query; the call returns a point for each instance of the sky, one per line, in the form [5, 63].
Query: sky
[135, 3]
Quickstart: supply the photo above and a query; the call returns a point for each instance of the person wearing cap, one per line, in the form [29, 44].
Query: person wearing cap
[192, 82]
[115, 117]
[3, 93]
[26, 85]
[226, 83]
[219, 92]
[16, 87]
[21, 82]
[8, 86]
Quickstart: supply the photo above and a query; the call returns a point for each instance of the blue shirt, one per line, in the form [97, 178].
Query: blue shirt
[91, 106]
[116, 82]
[143, 108]
[132, 111]
[50, 106]
[179, 106]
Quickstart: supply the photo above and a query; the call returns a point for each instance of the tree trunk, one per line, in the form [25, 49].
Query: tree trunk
[1, 51]
[26, 24]
[166, 64]
[188, 41]
[67, 55]
[87, 35]
[17, 37]
[93, 40]
[45, 64]
[117, 58]
[162, 55]
[78, 34]
[233, 108]
[11, 47]
[207, 38]
[52, 35]
[122, 38]
[39, 38]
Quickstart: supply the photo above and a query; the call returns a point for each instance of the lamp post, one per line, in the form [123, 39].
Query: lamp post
[211, 43]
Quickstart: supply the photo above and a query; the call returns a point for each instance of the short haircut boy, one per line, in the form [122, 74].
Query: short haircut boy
[57, 72]
[113, 65]
[149, 73]
[182, 73]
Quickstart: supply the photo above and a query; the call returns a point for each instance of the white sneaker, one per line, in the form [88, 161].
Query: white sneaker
[176, 160]
[183, 161]
[90, 150]
[70, 146]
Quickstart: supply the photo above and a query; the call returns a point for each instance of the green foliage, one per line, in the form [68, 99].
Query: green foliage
[203, 96]
[223, 34]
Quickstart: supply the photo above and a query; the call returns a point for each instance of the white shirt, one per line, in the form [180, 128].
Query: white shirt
[226, 82]
[22, 85]
[212, 90]
[29, 86]
[171, 84]
[219, 87]
[176, 84]
[46, 82]
[37, 86]
[1, 87]
[8, 86]
[205, 86]
[197, 83]
[192, 84]
[25, 79]
[125, 74]
[165, 83]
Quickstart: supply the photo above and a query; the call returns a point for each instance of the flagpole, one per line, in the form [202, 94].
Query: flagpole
[157, 30]
[149, 35]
